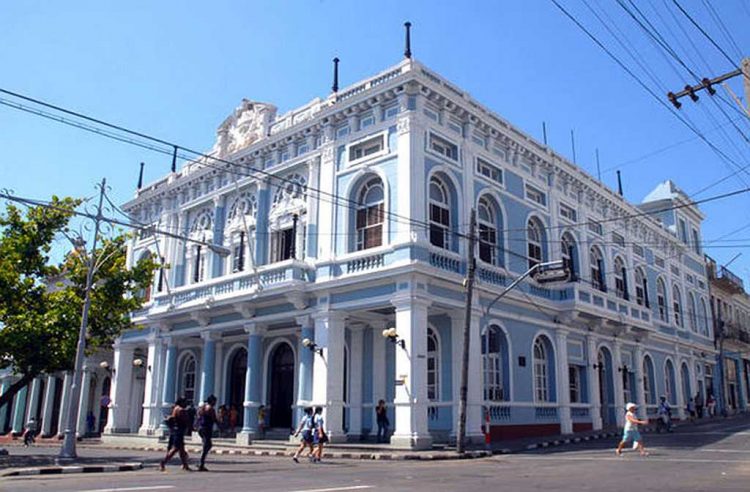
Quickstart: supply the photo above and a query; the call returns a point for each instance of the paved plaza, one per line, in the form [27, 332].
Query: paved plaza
[710, 457]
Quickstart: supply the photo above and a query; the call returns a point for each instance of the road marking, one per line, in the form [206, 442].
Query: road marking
[127, 489]
[336, 489]
[615, 458]
[713, 450]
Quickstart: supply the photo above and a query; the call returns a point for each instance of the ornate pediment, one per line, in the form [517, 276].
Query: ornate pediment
[248, 123]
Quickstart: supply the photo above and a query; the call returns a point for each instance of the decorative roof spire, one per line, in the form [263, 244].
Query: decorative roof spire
[335, 87]
[140, 177]
[407, 48]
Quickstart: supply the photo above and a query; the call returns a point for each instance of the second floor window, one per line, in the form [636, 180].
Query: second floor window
[597, 270]
[569, 257]
[238, 254]
[661, 299]
[440, 215]
[641, 288]
[369, 220]
[199, 265]
[621, 279]
[487, 232]
[677, 306]
[282, 245]
[534, 238]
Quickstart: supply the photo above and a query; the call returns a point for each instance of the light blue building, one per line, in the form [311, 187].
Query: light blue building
[348, 216]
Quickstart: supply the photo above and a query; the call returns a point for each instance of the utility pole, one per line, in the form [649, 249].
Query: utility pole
[707, 85]
[68, 450]
[471, 262]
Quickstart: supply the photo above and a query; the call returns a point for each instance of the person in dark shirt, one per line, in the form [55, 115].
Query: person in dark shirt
[178, 423]
[205, 426]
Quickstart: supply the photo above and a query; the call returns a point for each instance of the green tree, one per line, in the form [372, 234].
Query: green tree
[41, 304]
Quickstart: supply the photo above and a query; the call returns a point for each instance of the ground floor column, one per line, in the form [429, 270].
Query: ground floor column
[49, 405]
[5, 408]
[83, 406]
[253, 382]
[65, 402]
[563, 382]
[19, 409]
[150, 409]
[378, 364]
[619, 373]
[593, 383]
[356, 353]
[475, 390]
[170, 379]
[122, 384]
[208, 365]
[306, 361]
[35, 399]
[640, 392]
[411, 429]
[328, 372]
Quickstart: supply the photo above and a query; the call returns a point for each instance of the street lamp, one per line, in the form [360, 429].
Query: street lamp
[312, 346]
[392, 335]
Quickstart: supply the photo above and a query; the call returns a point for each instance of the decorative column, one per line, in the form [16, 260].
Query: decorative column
[178, 254]
[328, 371]
[356, 354]
[218, 233]
[593, 383]
[262, 238]
[640, 392]
[65, 402]
[34, 399]
[122, 383]
[150, 409]
[680, 387]
[170, 378]
[83, 406]
[619, 388]
[19, 410]
[253, 382]
[563, 382]
[306, 361]
[208, 365]
[4, 409]
[378, 363]
[49, 406]
[411, 374]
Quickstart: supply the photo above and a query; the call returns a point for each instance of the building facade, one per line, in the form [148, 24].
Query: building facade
[730, 307]
[349, 216]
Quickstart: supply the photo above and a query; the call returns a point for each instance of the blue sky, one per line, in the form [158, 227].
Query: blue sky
[176, 70]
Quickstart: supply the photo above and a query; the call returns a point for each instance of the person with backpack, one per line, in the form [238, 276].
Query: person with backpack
[305, 428]
[178, 423]
[320, 437]
[205, 428]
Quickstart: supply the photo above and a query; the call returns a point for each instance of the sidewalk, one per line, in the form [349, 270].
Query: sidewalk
[40, 461]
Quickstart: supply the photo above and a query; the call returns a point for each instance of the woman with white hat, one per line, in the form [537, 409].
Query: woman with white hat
[630, 432]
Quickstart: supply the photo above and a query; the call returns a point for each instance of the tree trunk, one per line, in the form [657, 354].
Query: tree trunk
[7, 396]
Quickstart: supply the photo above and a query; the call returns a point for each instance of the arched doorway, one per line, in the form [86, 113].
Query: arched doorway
[686, 386]
[281, 386]
[236, 377]
[606, 386]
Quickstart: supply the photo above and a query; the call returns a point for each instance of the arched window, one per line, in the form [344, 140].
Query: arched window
[669, 387]
[187, 382]
[704, 318]
[641, 288]
[661, 299]
[487, 219]
[542, 391]
[692, 312]
[202, 230]
[621, 279]
[649, 388]
[569, 253]
[535, 240]
[493, 363]
[440, 214]
[597, 269]
[433, 365]
[677, 305]
[369, 221]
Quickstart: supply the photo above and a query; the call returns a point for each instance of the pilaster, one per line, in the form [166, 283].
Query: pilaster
[122, 383]
[83, 405]
[618, 374]
[563, 382]
[640, 393]
[593, 383]
[328, 371]
[49, 397]
[356, 354]
[208, 364]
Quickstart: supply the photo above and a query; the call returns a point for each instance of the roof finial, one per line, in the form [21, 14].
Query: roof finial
[174, 159]
[140, 177]
[619, 183]
[335, 87]
[407, 48]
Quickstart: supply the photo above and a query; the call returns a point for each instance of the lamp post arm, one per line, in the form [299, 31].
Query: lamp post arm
[517, 281]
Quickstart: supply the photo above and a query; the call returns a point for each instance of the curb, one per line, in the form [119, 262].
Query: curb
[559, 442]
[60, 470]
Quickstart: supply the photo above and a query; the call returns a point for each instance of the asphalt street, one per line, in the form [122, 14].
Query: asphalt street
[712, 457]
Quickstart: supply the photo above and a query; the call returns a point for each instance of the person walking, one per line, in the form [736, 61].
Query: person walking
[320, 438]
[665, 416]
[305, 428]
[699, 405]
[262, 421]
[711, 405]
[381, 416]
[222, 420]
[691, 410]
[205, 427]
[630, 432]
[178, 422]
[29, 433]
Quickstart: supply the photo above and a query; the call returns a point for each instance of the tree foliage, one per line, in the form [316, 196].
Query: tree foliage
[41, 304]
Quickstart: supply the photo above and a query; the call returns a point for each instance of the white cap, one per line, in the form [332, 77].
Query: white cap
[630, 405]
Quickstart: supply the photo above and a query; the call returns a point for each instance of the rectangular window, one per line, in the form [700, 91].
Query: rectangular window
[689, 278]
[391, 111]
[675, 270]
[369, 227]
[536, 195]
[269, 162]
[696, 242]
[659, 262]
[282, 245]
[683, 231]
[618, 239]
[568, 212]
[285, 156]
[364, 149]
[238, 256]
[366, 121]
[489, 171]
[455, 127]
[595, 227]
[638, 250]
[431, 114]
[479, 140]
[342, 131]
[443, 147]
[574, 377]
[439, 226]
[303, 149]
